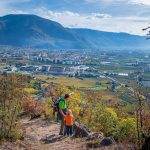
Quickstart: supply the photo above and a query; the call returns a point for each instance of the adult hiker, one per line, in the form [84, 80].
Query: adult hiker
[62, 111]
[56, 107]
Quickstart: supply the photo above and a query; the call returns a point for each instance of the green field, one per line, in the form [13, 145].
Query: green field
[78, 83]
[100, 88]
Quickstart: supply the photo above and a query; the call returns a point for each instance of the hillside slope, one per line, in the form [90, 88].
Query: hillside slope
[110, 40]
[34, 31]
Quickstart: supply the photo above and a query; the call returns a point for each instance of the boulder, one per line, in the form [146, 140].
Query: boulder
[81, 130]
[107, 142]
[96, 136]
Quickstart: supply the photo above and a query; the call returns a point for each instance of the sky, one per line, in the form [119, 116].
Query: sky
[129, 16]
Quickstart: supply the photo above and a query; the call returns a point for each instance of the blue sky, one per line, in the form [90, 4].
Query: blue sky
[110, 15]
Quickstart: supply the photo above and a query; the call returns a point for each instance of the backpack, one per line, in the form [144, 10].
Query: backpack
[56, 104]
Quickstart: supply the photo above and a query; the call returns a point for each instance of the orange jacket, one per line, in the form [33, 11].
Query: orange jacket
[69, 121]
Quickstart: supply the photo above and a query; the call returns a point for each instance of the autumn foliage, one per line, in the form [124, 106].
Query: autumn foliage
[32, 107]
[11, 94]
[99, 111]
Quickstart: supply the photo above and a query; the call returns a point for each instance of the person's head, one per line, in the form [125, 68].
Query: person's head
[67, 96]
[69, 112]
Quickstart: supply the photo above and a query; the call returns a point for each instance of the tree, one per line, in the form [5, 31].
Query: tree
[140, 94]
[11, 94]
[148, 34]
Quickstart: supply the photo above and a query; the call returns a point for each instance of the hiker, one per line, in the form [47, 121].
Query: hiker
[69, 122]
[62, 112]
[56, 107]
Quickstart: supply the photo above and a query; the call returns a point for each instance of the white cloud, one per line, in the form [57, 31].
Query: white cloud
[5, 7]
[96, 21]
[100, 16]
[54, 14]
[145, 2]
[68, 14]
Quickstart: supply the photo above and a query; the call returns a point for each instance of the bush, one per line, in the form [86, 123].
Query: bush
[18, 132]
[48, 109]
[30, 91]
[32, 107]
[126, 130]
[11, 93]
[107, 120]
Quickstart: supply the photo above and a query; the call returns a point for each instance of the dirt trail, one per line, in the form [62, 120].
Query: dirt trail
[44, 135]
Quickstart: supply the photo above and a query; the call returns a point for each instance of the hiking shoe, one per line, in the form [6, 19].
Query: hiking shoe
[61, 134]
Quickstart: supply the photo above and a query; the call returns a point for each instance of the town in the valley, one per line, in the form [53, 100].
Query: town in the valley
[129, 65]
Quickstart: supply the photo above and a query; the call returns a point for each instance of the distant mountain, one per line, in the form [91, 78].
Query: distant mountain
[109, 40]
[34, 31]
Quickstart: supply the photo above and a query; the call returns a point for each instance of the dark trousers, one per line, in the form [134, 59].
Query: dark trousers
[69, 130]
[62, 127]
[63, 124]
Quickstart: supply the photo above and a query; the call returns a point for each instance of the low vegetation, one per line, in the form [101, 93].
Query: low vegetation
[101, 111]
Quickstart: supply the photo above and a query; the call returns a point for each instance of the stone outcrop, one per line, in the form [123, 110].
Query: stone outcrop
[95, 139]
[81, 130]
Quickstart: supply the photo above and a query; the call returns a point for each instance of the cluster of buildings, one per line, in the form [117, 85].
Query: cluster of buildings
[84, 64]
[47, 69]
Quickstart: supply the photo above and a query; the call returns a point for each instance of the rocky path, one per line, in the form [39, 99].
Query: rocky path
[44, 135]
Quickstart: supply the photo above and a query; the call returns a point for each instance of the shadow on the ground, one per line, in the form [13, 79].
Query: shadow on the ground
[52, 139]
[39, 123]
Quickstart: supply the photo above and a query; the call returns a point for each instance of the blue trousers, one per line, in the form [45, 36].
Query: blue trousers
[69, 130]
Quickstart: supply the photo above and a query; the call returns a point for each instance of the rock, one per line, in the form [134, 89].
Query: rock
[81, 130]
[107, 141]
[96, 136]
[34, 115]
[52, 139]
[23, 114]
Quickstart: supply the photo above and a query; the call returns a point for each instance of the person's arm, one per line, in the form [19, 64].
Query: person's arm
[61, 112]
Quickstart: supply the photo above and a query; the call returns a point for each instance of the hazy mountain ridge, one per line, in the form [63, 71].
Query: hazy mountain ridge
[34, 31]
[101, 39]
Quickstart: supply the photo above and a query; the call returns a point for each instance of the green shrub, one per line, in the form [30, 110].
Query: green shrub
[126, 130]
[48, 109]
[107, 120]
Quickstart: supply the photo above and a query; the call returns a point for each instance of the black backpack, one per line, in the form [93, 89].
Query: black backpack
[56, 104]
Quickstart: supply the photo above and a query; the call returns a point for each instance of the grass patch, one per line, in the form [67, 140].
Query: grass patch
[78, 83]
[101, 88]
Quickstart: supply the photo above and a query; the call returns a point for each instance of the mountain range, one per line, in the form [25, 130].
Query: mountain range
[26, 30]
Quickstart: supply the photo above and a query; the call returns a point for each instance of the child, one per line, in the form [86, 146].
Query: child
[69, 122]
